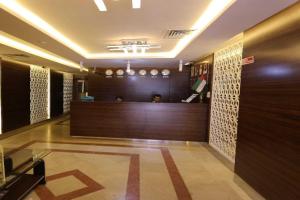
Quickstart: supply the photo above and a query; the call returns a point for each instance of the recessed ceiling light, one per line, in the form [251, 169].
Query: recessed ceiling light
[136, 4]
[101, 5]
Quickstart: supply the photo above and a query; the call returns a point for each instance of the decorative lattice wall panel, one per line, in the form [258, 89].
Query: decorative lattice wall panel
[68, 91]
[38, 94]
[225, 99]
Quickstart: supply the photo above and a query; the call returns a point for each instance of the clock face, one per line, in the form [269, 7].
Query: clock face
[154, 72]
[165, 72]
[109, 72]
[131, 72]
[142, 72]
[120, 72]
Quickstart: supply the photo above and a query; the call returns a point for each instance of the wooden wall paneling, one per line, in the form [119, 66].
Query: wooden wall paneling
[137, 88]
[179, 84]
[268, 143]
[15, 92]
[56, 93]
[166, 121]
[210, 61]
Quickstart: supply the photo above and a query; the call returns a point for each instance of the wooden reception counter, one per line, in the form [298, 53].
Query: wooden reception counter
[164, 121]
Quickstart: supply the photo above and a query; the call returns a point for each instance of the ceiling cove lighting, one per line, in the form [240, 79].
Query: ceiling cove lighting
[214, 10]
[101, 5]
[136, 4]
[16, 9]
[15, 43]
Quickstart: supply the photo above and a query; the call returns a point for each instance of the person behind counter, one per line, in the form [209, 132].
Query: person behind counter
[119, 99]
[156, 98]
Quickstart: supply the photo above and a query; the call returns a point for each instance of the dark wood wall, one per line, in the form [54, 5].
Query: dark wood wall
[56, 93]
[210, 60]
[140, 89]
[15, 92]
[164, 121]
[268, 144]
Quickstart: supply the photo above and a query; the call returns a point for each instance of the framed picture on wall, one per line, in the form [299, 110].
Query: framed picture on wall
[192, 71]
[196, 70]
[200, 70]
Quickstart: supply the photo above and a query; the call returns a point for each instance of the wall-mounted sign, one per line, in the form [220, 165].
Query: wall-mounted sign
[154, 72]
[248, 60]
[143, 72]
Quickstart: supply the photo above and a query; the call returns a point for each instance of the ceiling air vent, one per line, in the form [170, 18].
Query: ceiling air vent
[177, 34]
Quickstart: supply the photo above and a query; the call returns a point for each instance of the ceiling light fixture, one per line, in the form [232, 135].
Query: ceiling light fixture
[211, 13]
[134, 46]
[15, 43]
[101, 5]
[136, 4]
[125, 50]
[143, 49]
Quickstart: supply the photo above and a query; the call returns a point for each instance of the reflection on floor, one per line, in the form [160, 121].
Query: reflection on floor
[107, 169]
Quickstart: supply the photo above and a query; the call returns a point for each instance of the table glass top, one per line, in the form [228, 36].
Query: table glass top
[15, 162]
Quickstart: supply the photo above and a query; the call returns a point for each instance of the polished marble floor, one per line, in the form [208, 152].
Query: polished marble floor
[110, 169]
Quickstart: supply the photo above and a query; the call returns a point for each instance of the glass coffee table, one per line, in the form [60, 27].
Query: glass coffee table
[21, 170]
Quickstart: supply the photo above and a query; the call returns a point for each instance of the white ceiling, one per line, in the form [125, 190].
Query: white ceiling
[82, 22]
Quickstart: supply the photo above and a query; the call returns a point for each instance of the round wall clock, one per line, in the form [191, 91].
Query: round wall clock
[154, 72]
[120, 72]
[109, 72]
[165, 72]
[142, 72]
[131, 73]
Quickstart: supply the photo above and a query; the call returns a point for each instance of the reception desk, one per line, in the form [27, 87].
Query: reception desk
[163, 121]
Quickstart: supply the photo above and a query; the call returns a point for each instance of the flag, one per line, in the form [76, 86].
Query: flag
[196, 84]
[202, 83]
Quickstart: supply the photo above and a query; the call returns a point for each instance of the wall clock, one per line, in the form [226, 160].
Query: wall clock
[154, 72]
[109, 72]
[165, 72]
[142, 72]
[120, 72]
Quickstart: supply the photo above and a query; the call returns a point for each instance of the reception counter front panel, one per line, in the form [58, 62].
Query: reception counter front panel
[164, 121]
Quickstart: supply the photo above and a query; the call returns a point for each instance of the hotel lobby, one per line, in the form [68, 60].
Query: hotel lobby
[149, 100]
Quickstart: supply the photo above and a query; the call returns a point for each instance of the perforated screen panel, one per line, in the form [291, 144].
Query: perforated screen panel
[38, 94]
[68, 91]
[225, 99]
